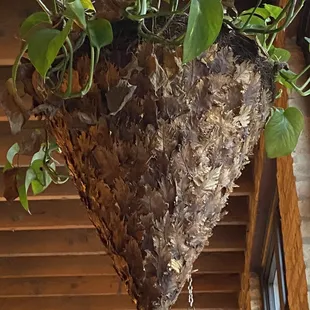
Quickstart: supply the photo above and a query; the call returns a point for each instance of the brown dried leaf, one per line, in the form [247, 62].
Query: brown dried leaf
[82, 67]
[108, 78]
[111, 9]
[38, 85]
[28, 145]
[10, 192]
[76, 87]
[156, 73]
[13, 107]
[172, 64]
[119, 95]
[145, 50]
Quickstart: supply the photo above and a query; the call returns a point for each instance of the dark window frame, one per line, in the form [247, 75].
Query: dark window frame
[274, 262]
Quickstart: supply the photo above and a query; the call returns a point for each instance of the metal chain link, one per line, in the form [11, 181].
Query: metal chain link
[190, 293]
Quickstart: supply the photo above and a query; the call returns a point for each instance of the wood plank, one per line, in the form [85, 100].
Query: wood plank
[103, 285]
[201, 300]
[45, 214]
[61, 286]
[68, 214]
[238, 211]
[227, 238]
[11, 16]
[47, 242]
[220, 262]
[83, 241]
[82, 265]
[70, 265]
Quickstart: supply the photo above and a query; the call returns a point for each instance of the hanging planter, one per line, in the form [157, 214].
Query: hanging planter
[157, 127]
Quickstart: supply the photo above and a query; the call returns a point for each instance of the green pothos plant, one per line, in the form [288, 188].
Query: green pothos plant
[52, 37]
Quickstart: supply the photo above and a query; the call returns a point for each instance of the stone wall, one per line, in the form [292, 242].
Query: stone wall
[255, 293]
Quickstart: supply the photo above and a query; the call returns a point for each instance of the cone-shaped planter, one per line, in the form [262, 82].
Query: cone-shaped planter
[160, 148]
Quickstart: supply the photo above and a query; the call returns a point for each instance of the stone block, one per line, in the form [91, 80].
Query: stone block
[304, 208]
[305, 229]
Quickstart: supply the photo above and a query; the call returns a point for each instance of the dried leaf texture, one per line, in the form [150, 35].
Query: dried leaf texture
[156, 169]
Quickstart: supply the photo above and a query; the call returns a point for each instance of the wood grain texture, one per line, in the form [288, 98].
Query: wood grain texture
[46, 242]
[83, 241]
[227, 238]
[110, 302]
[103, 285]
[10, 20]
[68, 214]
[100, 264]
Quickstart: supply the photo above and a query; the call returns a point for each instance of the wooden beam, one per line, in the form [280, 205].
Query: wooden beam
[47, 242]
[103, 285]
[10, 20]
[238, 211]
[70, 265]
[118, 302]
[45, 214]
[68, 214]
[220, 262]
[61, 286]
[227, 239]
[100, 264]
[86, 241]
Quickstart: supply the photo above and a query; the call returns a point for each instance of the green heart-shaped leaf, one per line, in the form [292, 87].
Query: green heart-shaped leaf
[274, 10]
[255, 21]
[99, 32]
[23, 189]
[87, 5]
[32, 22]
[12, 152]
[76, 12]
[279, 54]
[282, 131]
[265, 14]
[204, 25]
[43, 179]
[44, 46]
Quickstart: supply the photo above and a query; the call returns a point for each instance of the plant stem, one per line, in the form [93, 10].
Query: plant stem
[44, 7]
[91, 71]
[97, 56]
[276, 22]
[16, 64]
[270, 29]
[302, 72]
[69, 86]
[55, 7]
[249, 18]
[305, 84]
[88, 86]
[64, 67]
[143, 7]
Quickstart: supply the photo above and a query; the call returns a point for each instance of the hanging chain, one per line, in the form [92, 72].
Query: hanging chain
[190, 293]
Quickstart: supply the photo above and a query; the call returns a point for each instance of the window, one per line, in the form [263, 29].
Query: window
[273, 274]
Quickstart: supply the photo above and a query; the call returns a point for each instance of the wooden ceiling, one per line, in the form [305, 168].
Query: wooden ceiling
[53, 258]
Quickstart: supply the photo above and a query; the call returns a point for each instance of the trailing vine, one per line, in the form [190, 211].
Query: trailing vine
[53, 36]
